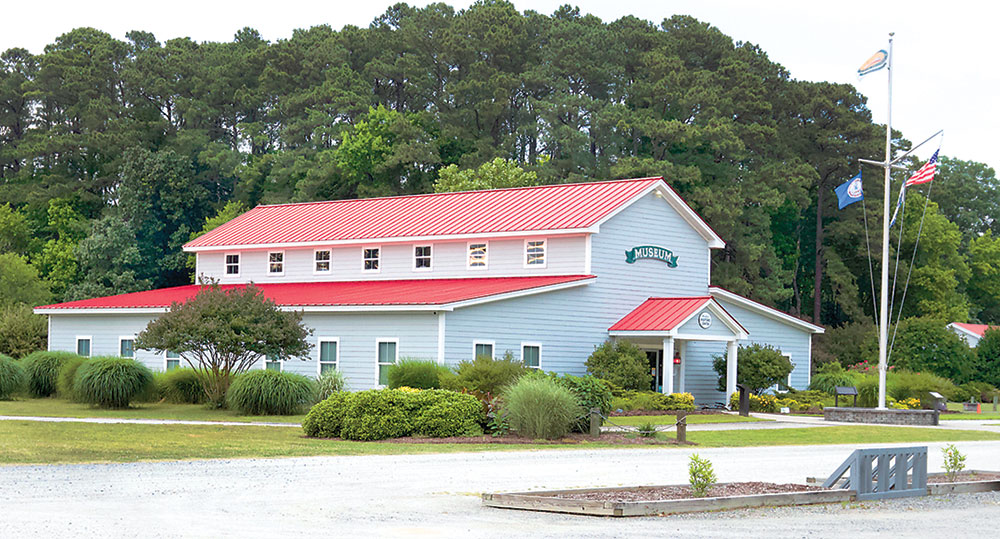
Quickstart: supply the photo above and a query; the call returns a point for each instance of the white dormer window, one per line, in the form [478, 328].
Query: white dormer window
[233, 265]
[321, 261]
[422, 258]
[371, 258]
[477, 256]
[534, 253]
[276, 263]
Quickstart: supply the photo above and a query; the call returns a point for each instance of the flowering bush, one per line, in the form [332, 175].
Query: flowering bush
[868, 368]
[758, 403]
[903, 404]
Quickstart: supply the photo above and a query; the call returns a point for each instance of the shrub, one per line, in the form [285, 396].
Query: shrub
[678, 401]
[540, 408]
[326, 418]
[486, 375]
[700, 475]
[180, 386]
[980, 391]
[446, 413]
[66, 377]
[328, 383]
[767, 404]
[954, 461]
[622, 363]
[646, 400]
[42, 369]
[830, 376]
[651, 400]
[903, 385]
[416, 373]
[267, 392]
[379, 414]
[589, 392]
[760, 367]
[21, 331]
[111, 382]
[12, 378]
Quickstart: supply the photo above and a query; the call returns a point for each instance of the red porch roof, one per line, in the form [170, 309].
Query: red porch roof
[666, 314]
[529, 209]
[341, 293]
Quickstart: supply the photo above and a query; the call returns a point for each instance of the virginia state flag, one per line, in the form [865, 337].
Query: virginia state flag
[850, 191]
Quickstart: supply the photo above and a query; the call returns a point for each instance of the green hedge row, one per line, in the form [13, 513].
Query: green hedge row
[393, 413]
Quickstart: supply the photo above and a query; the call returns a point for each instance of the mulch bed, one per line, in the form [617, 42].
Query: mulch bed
[615, 438]
[965, 476]
[680, 492]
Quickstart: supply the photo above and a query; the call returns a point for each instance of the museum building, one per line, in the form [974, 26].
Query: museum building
[545, 273]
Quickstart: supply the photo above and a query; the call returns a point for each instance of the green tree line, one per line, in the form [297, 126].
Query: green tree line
[114, 152]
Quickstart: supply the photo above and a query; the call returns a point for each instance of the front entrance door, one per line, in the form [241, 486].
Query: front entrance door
[655, 358]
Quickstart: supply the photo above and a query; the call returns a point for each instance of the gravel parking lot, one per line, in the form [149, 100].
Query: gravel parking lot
[437, 495]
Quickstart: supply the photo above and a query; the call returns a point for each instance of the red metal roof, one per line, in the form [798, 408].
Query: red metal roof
[978, 329]
[665, 314]
[346, 293]
[660, 314]
[526, 209]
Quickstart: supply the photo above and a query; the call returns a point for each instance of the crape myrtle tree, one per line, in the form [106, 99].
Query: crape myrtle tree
[759, 367]
[223, 332]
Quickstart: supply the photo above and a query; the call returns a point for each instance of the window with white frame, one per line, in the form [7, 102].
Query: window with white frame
[329, 354]
[272, 362]
[371, 258]
[422, 257]
[126, 347]
[321, 258]
[83, 346]
[477, 256]
[482, 348]
[233, 265]
[534, 253]
[173, 360]
[276, 263]
[388, 353]
[531, 355]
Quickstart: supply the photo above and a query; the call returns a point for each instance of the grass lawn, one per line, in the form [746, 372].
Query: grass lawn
[988, 413]
[29, 442]
[637, 420]
[196, 412]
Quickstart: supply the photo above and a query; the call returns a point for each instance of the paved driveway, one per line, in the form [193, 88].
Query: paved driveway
[437, 495]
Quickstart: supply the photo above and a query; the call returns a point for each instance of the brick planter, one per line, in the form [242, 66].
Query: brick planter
[881, 417]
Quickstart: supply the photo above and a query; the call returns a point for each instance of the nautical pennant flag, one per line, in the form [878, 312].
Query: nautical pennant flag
[873, 64]
[850, 192]
[926, 172]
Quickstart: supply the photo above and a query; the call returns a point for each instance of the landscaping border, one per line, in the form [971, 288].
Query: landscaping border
[547, 501]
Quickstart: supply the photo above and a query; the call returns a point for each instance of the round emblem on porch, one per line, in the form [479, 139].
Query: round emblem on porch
[705, 320]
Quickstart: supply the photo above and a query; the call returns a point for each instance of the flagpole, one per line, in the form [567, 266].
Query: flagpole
[883, 332]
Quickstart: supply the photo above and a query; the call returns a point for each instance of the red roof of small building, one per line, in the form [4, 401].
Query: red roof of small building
[566, 207]
[978, 329]
[340, 293]
[664, 314]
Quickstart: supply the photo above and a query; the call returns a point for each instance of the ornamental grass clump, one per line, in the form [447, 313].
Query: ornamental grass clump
[112, 382]
[180, 386]
[12, 378]
[485, 375]
[417, 373]
[539, 407]
[328, 383]
[67, 375]
[42, 369]
[269, 392]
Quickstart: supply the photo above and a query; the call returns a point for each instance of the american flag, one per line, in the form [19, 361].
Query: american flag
[926, 172]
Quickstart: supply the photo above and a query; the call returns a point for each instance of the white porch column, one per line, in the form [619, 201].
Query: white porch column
[731, 369]
[684, 347]
[668, 366]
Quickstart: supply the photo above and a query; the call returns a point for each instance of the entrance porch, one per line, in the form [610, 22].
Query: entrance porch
[664, 328]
